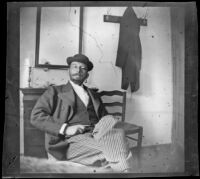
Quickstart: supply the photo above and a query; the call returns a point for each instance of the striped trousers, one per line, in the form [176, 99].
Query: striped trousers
[106, 145]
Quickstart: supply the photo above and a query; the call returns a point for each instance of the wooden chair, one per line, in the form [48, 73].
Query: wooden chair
[129, 128]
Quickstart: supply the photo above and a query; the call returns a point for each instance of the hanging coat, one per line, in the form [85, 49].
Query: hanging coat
[129, 50]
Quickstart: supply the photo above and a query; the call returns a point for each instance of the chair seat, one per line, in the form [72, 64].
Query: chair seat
[130, 128]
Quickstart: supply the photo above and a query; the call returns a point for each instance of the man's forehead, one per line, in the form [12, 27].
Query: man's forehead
[79, 63]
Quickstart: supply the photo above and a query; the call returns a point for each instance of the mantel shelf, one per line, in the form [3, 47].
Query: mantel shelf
[33, 91]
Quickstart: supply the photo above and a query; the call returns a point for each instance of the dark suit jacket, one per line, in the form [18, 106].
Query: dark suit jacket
[53, 109]
[129, 50]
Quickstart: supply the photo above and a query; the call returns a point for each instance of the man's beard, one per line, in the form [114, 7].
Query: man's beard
[78, 80]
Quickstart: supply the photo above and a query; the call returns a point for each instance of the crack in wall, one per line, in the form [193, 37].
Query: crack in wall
[95, 40]
[86, 33]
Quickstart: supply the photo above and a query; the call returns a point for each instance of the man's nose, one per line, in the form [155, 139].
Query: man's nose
[79, 69]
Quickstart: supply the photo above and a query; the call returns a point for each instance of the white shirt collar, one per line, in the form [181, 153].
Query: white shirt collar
[75, 85]
[81, 92]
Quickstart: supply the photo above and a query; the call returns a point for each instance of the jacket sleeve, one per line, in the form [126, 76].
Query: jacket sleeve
[42, 113]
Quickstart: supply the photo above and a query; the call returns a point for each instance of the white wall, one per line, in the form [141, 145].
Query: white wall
[151, 106]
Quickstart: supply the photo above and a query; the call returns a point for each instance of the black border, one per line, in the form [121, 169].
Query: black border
[10, 161]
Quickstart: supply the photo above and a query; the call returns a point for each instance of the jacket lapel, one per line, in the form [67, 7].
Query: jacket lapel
[67, 94]
[95, 100]
[68, 97]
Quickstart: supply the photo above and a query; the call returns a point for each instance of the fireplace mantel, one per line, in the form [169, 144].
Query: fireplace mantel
[33, 138]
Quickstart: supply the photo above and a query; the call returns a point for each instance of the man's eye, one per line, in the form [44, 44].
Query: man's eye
[78, 67]
[74, 66]
[83, 68]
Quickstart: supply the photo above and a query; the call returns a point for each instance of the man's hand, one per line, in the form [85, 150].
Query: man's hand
[76, 129]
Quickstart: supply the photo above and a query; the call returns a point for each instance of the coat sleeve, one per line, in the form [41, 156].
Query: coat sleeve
[42, 113]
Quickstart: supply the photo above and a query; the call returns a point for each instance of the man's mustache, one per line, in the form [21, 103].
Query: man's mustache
[76, 74]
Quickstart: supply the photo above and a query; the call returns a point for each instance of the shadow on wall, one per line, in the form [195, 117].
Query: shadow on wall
[145, 89]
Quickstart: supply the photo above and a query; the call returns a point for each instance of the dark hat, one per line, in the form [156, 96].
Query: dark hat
[80, 58]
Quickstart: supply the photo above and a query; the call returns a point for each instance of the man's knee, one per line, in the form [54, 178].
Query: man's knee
[108, 120]
[105, 125]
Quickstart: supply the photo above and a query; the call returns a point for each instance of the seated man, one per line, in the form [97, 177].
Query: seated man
[76, 124]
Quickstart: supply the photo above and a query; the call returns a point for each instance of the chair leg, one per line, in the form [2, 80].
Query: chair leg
[139, 143]
[140, 133]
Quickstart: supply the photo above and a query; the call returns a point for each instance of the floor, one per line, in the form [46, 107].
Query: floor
[159, 159]
[154, 159]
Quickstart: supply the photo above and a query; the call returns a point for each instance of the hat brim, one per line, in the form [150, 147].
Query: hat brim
[86, 62]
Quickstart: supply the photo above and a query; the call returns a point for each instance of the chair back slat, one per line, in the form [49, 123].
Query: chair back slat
[121, 104]
[113, 104]
[115, 113]
[111, 93]
[124, 106]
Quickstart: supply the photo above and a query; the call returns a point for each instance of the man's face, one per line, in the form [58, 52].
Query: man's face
[78, 72]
